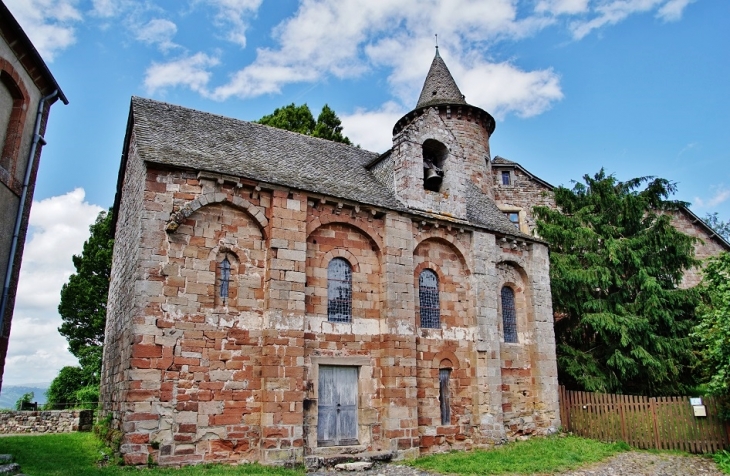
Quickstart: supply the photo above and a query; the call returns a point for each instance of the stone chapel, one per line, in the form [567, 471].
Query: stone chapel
[280, 298]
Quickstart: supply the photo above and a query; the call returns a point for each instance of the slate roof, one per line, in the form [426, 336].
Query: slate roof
[175, 136]
[439, 87]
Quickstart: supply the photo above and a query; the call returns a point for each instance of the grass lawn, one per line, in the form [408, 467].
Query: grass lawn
[537, 455]
[77, 453]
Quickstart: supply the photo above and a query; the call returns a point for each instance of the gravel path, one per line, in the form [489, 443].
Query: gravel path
[630, 463]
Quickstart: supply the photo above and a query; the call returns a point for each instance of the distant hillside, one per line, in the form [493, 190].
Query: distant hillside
[11, 393]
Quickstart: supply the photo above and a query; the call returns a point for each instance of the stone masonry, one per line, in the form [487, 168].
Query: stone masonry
[221, 343]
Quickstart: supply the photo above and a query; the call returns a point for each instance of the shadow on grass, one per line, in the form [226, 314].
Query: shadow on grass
[77, 454]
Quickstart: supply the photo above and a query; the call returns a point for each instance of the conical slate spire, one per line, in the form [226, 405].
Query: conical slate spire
[439, 87]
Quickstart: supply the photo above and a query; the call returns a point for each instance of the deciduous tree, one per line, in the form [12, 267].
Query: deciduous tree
[84, 296]
[622, 322]
[713, 330]
[300, 119]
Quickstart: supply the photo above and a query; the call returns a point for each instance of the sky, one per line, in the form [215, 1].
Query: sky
[638, 87]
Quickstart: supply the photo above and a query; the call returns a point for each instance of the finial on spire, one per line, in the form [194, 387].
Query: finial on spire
[437, 44]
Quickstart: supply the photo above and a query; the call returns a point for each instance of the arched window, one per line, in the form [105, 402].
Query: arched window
[445, 396]
[428, 294]
[225, 273]
[339, 291]
[509, 314]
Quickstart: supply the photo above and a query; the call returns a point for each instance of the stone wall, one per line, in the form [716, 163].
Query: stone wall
[521, 195]
[237, 379]
[707, 246]
[52, 421]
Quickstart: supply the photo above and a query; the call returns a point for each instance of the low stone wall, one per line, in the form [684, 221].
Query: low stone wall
[52, 421]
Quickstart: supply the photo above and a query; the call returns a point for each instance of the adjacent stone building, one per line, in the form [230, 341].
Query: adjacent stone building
[517, 191]
[27, 91]
[277, 297]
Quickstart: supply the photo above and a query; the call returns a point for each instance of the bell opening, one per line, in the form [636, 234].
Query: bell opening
[434, 158]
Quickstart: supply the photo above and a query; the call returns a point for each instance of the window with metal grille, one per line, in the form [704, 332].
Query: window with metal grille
[505, 178]
[339, 291]
[444, 396]
[509, 314]
[428, 293]
[225, 273]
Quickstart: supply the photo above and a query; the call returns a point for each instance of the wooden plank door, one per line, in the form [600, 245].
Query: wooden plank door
[337, 409]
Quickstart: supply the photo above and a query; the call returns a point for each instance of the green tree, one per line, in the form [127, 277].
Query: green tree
[713, 330]
[622, 323]
[24, 401]
[722, 228]
[84, 296]
[63, 390]
[329, 126]
[300, 119]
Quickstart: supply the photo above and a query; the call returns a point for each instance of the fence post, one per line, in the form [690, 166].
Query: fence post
[652, 402]
[621, 401]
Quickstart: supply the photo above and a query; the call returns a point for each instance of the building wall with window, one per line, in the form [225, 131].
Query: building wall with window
[24, 81]
[281, 298]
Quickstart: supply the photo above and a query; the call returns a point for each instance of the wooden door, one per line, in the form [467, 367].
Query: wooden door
[337, 409]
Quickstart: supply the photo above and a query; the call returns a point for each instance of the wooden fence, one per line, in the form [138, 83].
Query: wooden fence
[661, 423]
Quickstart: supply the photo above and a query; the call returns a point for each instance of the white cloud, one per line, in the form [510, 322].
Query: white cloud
[610, 12]
[345, 38]
[106, 8]
[48, 23]
[502, 88]
[561, 7]
[673, 9]
[58, 228]
[158, 32]
[191, 71]
[722, 194]
[372, 130]
[234, 15]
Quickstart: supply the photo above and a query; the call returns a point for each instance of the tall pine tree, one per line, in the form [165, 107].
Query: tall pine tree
[622, 322]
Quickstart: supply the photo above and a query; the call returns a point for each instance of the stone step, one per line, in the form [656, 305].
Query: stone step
[313, 462]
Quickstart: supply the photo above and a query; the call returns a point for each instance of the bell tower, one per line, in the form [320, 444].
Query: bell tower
[441, 148]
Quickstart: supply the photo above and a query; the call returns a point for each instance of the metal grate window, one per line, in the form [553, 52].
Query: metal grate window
[225, 269]
[339, 291]
[444, 396]
[509, 314]
[428, 293]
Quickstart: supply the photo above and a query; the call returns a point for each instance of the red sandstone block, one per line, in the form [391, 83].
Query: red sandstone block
[183, 438]
[186, 361]
[142, 416]
[187, 407]
[187, 428]
[141, 395]
[140, 363]
[132, 459]
[275, 432]
[291, 418]
[146, 350]
[226, 419]
[137, 438]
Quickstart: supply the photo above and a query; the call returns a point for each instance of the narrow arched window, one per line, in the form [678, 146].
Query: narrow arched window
[225, 270]
[428, 294]
[445, 396]
[509, 314]
[339, 291]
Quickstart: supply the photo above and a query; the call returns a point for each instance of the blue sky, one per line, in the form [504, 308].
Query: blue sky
[639, 87]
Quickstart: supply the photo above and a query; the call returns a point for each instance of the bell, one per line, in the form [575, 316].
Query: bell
[432, 178]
